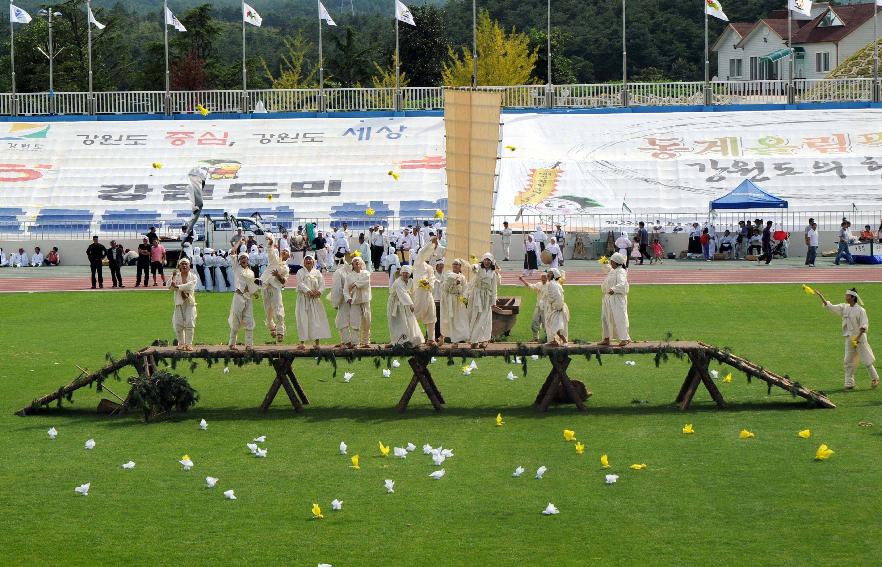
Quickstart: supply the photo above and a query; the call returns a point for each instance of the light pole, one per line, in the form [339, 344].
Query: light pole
[624, 58]
[50, 13]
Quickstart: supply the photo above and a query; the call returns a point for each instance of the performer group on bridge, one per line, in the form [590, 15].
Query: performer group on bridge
[428, 304]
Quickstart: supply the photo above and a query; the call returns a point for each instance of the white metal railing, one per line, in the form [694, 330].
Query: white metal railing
[784, 219]
[606, 95]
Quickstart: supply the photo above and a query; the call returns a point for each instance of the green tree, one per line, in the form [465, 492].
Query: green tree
[293, 69]
[350, 63]
[421, 46]
[503, 59]
[562, 71]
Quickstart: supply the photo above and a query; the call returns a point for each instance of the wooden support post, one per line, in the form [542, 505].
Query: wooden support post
[698, 374]
[286, 379]
[558, 378]
[423, 377]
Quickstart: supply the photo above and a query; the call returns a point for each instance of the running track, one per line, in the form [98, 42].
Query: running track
[744, 274]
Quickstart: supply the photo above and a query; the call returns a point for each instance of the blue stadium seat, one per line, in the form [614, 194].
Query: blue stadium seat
[353, 214]
[62, 221]
[418, 211]
[9, 220]
[131, 220]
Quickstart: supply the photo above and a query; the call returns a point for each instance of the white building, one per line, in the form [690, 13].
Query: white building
[758, 51]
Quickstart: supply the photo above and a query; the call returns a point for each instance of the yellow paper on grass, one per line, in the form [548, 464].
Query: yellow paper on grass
[745, 434]
[823, 453]
[687, 429]
[580, 447]
[317, 512]
[384, 450]
[569, 435]
[727, 378]
[499, 421]
[638, 466]
[355, 464]
[604, 462]
[805, 433]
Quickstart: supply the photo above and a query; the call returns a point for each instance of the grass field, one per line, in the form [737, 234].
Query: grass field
[707, 498]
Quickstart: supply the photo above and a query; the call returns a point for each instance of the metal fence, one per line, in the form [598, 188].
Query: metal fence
[607, 95]
[784, 219]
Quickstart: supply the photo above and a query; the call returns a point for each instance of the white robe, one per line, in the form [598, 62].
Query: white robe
[422, 287]
[614, 308]
[242, 306]
[184, 317]
[273, 305]
[37, 260]
[454, 313]
[403, 325]
[312, 321]
[557, 314]
[337, 300]
[482, 298]
[538, 321]
[854, 317]
[356, 307]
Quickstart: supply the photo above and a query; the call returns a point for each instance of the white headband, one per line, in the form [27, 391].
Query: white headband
[855, 295]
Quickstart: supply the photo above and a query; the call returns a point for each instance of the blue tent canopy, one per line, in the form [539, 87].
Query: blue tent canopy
[748, 196]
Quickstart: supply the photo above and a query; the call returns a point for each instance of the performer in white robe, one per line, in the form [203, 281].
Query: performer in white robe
[274, 279]
[391, 264]
[312, 321]
[338, 300]
[557, 314]
[482, 298]
[454, 305]
[364, 250]
[357, 304]
[540, 287]
[403, 325]
[421, 288]
[3, 261]
[614, 306]
[555, 253]
[854, 328]
[183, 285]
[242, 307]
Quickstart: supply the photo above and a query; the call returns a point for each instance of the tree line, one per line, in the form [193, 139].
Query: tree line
[665, 42]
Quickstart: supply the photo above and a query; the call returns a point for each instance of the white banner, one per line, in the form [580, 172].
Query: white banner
[551, 163]
[562, 163]
[312, 167]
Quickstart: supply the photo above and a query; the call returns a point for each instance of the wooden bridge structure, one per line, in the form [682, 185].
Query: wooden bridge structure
[557, 384]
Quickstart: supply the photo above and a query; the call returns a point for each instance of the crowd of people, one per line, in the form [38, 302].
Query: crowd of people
[36, 259]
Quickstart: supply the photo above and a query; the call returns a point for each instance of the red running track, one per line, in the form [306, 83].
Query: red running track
[752, 274]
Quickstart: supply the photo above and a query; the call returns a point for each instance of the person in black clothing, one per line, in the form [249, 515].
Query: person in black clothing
[319, 243]
[115, 262]
[767, 244]
[643, 235]
[143, 263]
[151, 234]
[96, 253]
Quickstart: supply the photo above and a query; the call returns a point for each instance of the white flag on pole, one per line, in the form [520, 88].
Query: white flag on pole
[713, 8]
[801, 6]
[172, 20]
[251, 16]
[95, 22]
[18, 15]
[402, 13]
[324, 15]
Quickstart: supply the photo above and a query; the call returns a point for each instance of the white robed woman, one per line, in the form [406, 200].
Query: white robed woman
[338, 300]
[312, 321]
[403, 325]
[481, 295]
[357, 304]
[614, 306]
[454, 310]
[274, 279]
[422, 287]
[556, 312]
[538, 321]
[245, 289]
[183, 285]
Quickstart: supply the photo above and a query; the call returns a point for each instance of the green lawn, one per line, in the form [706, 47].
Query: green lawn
[707, 498]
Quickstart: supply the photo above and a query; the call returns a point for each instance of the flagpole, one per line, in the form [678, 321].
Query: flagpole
[791, 95]
[624, 59]
[89, 27]
[12, 64]
[397, 65]
[707, 94]
[321, 101]
[244, 71]
[474, 44]
[168, 109]
[875, 54]
[549, 102]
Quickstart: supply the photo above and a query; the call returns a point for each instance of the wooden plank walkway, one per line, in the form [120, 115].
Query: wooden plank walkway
[283, 356]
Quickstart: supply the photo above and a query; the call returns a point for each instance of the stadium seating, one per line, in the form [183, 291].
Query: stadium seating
[354, 214]
[62, 221]
[418, 211]
[10, 223]
[129, 220]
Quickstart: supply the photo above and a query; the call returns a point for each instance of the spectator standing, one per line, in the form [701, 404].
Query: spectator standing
[845, 239]
[115, 262]
[377, 243]
[811, 239]
[506, 240]
[561, 236]
[705, 244]
[151, 234]
[96, 253]
[741, 244]
[767, 244]
[157, 261]
[643, 236]
[143, 263]
[694, 240]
